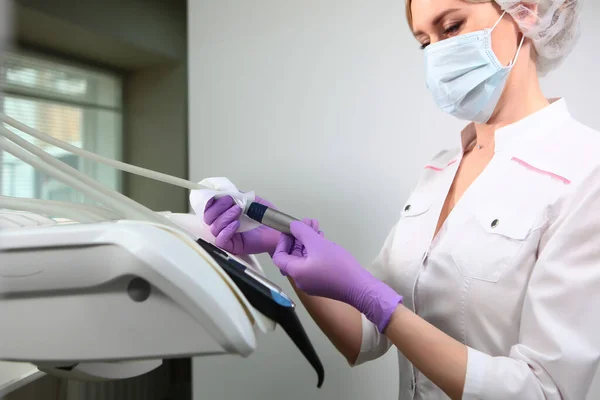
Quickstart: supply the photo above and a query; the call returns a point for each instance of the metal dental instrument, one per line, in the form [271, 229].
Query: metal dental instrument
[269, 217]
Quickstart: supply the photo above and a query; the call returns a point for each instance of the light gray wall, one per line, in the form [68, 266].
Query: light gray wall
[321, 107]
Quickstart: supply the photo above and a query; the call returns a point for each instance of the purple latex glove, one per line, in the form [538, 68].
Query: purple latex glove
[222, 215]
[322, 268]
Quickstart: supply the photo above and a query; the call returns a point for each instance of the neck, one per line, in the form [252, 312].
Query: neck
[522, 97]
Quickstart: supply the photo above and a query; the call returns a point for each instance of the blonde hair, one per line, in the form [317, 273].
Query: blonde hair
[409, 10]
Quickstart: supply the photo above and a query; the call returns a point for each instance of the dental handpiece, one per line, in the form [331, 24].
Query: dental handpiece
[272, 218]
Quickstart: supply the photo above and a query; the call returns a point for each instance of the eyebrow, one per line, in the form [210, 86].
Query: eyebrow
[437, 19]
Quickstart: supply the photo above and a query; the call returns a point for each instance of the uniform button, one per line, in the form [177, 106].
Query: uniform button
[407, 208]
[495, 223]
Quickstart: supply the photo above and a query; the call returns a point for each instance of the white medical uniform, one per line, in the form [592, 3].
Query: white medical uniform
[514, 272]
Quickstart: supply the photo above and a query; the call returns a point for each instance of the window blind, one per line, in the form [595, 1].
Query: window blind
[77, 104]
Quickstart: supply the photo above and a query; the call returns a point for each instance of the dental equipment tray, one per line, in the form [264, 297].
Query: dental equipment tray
[110, 300]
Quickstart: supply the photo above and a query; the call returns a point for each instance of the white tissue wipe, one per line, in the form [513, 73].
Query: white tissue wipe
[219, 187]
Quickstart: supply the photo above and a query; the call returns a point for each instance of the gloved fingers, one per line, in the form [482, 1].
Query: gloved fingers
[298, 248]
[224, 238]
[315, 225]
[225, 219]
[214, 208]
[305, 252]
[282, 257]
[284, 245]
[209, 203]
[304, 233]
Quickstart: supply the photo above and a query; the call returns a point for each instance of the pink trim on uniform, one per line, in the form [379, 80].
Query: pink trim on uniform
[531, 167]
[438, 168]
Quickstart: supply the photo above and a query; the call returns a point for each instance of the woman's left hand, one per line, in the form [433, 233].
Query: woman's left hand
[319, 267]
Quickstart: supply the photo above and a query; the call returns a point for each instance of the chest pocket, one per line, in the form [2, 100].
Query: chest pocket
[413, 220]
[416, 205]
[489, 241]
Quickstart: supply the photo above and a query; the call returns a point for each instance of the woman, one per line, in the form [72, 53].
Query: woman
[488, 285]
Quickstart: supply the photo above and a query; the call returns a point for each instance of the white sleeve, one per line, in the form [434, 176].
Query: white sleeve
[375, 344]
[559, 343]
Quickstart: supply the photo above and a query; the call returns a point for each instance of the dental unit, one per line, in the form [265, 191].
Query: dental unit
[105, 292]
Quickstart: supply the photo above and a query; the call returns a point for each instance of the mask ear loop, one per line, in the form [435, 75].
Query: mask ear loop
[497, 22]
[518, 50]
[512, 63]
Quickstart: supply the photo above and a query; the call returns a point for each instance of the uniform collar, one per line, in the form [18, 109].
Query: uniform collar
[531, 126]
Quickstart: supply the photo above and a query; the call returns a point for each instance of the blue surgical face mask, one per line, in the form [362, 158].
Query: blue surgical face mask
[465, 76]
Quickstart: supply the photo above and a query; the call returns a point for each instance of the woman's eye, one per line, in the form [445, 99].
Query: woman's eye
[424, 45]
[452, 29]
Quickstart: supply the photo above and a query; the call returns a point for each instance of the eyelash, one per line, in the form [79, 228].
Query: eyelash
[447, 31]
[452, 28]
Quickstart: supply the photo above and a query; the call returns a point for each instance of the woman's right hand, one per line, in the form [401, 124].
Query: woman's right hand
[340, 322]
[222, 215]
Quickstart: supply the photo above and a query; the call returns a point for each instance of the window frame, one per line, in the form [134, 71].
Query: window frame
[87, 167]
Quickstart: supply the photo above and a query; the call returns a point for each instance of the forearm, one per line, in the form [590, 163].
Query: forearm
[438, 356]
[340, 322]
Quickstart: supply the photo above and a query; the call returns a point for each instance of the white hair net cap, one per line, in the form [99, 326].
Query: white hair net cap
[552, 25]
